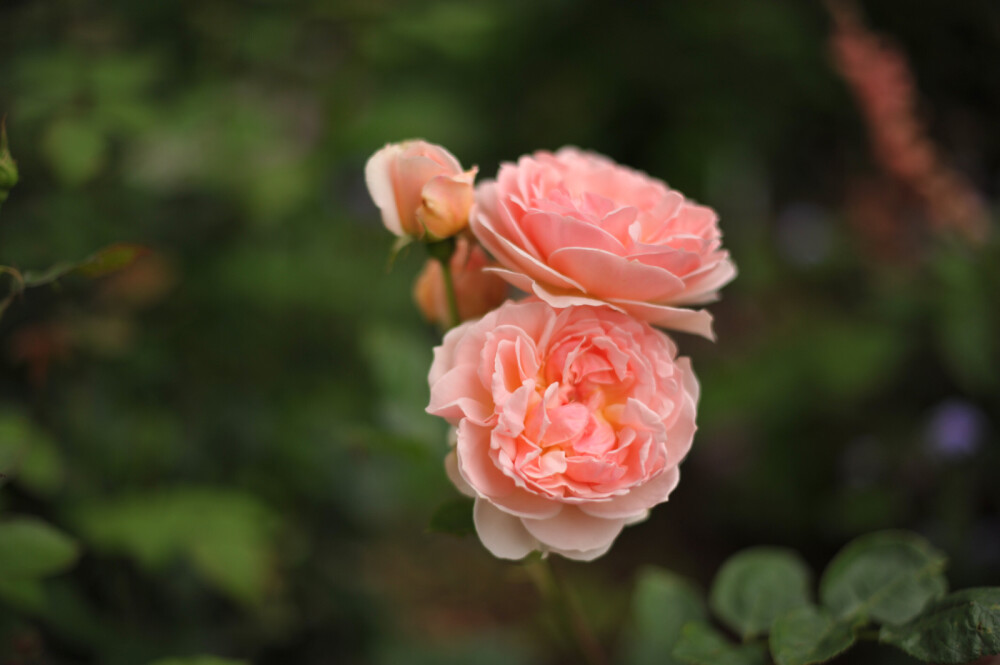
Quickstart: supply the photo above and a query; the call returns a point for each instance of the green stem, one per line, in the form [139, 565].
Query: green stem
[567, 610]
[449, 290]
[16, 289]
[442, 251]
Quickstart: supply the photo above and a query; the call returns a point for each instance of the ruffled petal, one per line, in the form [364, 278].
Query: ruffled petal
[477, 468]
[502, 534]
[695, 321]
[608, 276]
[379, 180]
[451, 469]
[460, 394]
[573, 529]
[639, 499]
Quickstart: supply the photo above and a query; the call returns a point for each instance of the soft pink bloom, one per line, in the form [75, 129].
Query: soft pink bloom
[420, 187]
[476, 290]
[570, 423]
[575, 228]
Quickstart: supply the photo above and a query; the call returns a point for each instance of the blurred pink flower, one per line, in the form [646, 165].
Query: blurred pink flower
[883, 85]
[575, 228]
[571, 424]
[420, 188]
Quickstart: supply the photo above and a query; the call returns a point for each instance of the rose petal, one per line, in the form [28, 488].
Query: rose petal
[511, 255]
[460, 394]
[551, 232]
[607, 276]
[704, 288]
[583, 555]
[379, 182]
[477, 468]
[451, 469]
[561, 300]
[573, 529]
[638, 500]
[502, 534]
[697, 321]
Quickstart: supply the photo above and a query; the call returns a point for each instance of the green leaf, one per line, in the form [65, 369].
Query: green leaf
[809, 635]
[225, 535]
[663, 602]
[111, 259]
[756, 586]
[888, 576]
[454, 517]
[28, 455]
[30, 548]
[958, 628]
[24, 594]
[77, 150]
[199, 660]
[964, 318]
[700, 644]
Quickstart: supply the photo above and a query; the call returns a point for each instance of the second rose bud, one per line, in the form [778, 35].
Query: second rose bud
[476, 292]
[420, 189]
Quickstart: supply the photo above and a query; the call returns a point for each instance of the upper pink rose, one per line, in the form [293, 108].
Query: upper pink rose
[420, 187]
[575, 228]
[571, 424]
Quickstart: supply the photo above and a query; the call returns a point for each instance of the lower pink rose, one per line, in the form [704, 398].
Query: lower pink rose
[570, 424]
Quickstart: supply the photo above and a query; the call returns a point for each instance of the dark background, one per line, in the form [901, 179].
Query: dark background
[233, 428]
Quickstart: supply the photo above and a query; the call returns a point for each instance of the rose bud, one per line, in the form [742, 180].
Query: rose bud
[476, 291]
[421, 189]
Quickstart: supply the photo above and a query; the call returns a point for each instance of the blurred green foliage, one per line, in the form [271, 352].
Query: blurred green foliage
[230, 434]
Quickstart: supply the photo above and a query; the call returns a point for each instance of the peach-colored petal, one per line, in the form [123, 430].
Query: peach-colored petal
[583, 555]
[459, 394]
[697, 321]
[562, 300]
[550, 232]
[379, 184]
[502, 534]
[476, 466]
[515, 279]
[417, 184]
[705, 287]
[410, 172]
[444, 355]
[638, 500]
[445, 204]
[579, 228]
[451, 469]
[573, 529]
[590, 413]
[509, 253]
[608, 276]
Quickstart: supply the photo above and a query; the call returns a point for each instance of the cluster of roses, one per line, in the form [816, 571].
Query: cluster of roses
[571, 412]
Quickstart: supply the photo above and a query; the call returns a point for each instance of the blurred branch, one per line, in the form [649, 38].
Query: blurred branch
[883, 85]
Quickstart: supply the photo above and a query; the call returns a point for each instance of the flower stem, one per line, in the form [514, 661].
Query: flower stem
[442, 251]
[567, 611]
[449, 290]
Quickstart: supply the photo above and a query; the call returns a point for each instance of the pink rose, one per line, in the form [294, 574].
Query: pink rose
[420, 187]
[476, 290]
[574, 228]
[570, 424]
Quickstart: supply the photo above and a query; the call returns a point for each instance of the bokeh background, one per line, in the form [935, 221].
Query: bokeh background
[231, 431]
